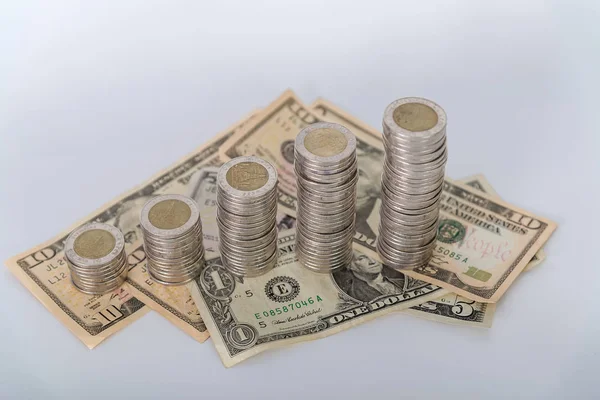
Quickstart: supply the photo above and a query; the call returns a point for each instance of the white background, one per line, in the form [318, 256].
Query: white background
[95, 98]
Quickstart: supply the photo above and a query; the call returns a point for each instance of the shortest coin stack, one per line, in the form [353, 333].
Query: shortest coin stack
[246, 215]
[172, 233]
[326, 177]
[95, 254]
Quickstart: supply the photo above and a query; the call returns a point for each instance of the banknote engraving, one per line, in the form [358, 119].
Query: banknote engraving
[175, 302]
[203, 189]
[172, 302]
[469, 222]
[92, 318]
[455, 309]
[43, 271]
[291, 304]
[480, 183]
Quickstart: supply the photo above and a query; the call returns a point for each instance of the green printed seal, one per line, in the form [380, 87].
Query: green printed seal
[451, 231]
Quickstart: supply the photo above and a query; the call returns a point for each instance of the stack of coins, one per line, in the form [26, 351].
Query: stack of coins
[414, 133]
[246, 216]
[172, 233]
[326, 177]
[95, 254]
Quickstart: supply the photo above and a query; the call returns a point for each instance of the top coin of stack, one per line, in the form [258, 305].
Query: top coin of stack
[414, 134]
[246, 215]
[95, 254]
[326, 177]
[172, 233]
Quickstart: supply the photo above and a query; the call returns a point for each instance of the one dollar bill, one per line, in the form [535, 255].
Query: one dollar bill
[448, 309]
[484, 243]
[291, 304]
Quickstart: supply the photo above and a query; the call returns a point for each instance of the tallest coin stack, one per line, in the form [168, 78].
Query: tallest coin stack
[414, 133]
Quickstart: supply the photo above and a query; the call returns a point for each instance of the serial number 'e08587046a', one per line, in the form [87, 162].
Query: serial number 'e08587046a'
[288, 308]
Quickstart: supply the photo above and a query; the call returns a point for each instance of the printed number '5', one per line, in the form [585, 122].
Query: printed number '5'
[463, 309]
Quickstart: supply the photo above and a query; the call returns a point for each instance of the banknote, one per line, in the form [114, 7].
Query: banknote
[483, 245]
[480, 182]
[475, 282]
[91, 318]
[172, 302]
[332, 113]
[455, 309]
[271, 135]
[450, 309]
[291, 304]
[43, 271]
[175, 302]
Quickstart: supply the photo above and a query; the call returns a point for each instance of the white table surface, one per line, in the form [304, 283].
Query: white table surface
[95, 98]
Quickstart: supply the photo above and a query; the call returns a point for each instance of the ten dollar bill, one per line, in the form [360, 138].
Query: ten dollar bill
[43, 271]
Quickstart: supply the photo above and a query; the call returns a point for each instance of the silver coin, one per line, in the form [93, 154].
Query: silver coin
[325, 143]
[344, 210]
[325, 174]
[174, 245]
[326, 197]
[243, 209]
[96, 285]
[330, 226]
[327, 188]
[173, 242]
[249, 221]
[326, 178]
[247, 178]
[93, 275]
[243, 270]
[246, 215]
[243, 242]
[327, 267]
[177, 262]
[95, 256]
[325, 259]
[245, 232]
[169, 216]
[402, 264]
[94, 244]
[180, 275]
[172, 273]
[174, 282]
